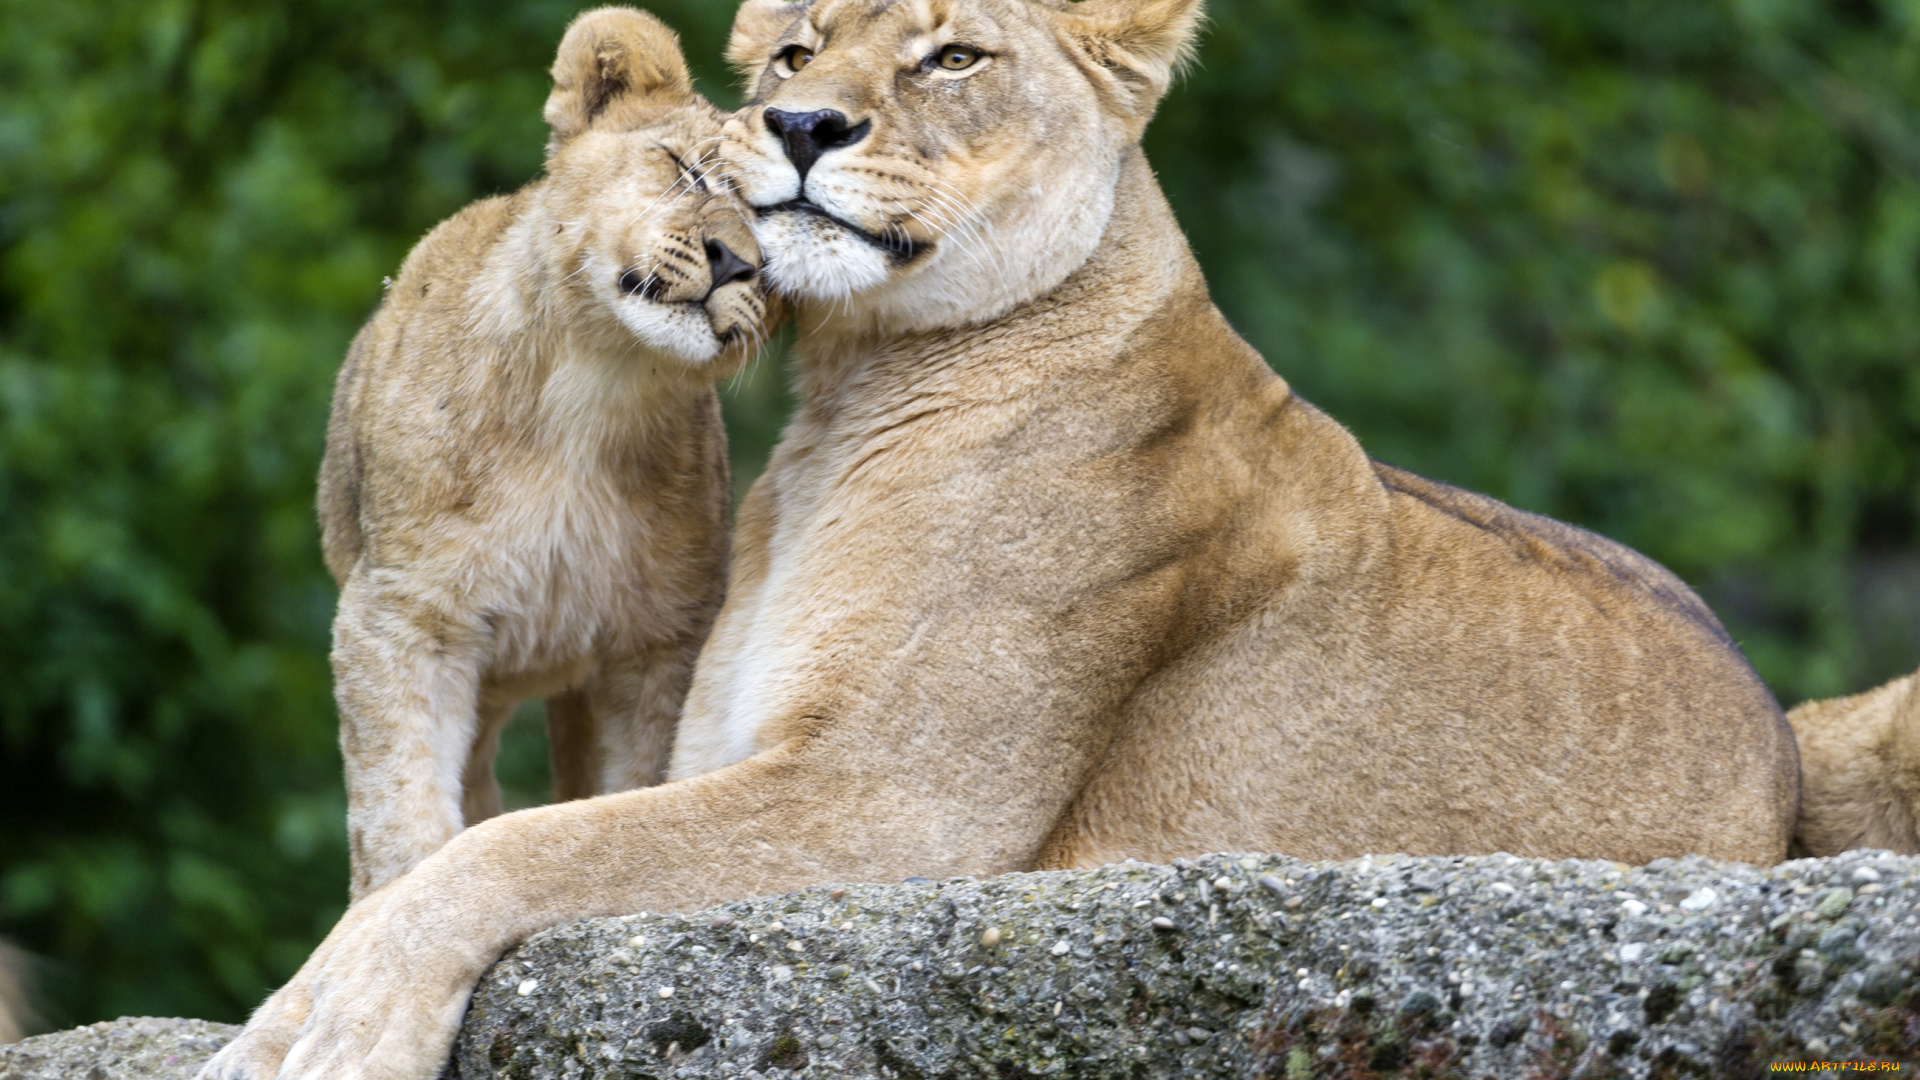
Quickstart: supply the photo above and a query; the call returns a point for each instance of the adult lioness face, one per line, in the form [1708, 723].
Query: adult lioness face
[929, 163]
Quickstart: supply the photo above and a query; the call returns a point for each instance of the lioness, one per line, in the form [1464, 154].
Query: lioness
[525, 486]
[1051, 569]
[1860, 771]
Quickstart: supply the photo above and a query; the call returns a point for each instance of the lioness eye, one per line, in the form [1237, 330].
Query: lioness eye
[958, 57]
[796, 57]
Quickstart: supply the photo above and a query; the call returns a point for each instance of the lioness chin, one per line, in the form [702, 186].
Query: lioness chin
[525, 488]
[1050, 568]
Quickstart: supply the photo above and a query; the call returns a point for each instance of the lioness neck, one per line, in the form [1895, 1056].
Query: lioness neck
[1141, 270]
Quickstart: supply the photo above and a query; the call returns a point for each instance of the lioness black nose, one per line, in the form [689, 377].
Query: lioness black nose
[726, 267]
[808, 135]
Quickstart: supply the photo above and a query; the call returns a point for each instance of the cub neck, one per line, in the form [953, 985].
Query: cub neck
[583, 380]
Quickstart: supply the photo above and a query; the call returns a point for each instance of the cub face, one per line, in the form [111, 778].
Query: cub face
[936, 162]
[659, 241]
[650, 232]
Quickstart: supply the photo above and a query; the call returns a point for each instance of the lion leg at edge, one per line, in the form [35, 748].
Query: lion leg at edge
[1860, 771]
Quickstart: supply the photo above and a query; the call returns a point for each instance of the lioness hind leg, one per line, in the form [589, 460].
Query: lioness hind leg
[407, 689]
[573, 746]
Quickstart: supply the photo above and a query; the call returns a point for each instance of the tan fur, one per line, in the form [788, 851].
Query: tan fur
[14, 1013]
[1050, 569]
[525, 488]
[1860, 771]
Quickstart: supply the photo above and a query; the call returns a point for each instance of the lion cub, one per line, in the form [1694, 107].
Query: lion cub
[525, 487]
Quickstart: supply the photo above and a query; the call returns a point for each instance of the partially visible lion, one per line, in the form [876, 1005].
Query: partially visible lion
[1051, 569]
[525, 488]
[1860, 771]
[14, 1013]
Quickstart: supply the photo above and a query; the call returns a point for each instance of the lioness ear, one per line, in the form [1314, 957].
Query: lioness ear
[756, 27]
[610, 57]
[1140, 45]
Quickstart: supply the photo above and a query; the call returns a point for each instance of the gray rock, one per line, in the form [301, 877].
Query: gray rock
[1254, 966]
[1389, 966]
[130, 1048]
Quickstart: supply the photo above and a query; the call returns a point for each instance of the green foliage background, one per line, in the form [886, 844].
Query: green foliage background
[1652, 266]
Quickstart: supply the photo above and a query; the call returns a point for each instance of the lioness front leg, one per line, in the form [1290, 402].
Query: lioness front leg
[407, 686]
[390, 984]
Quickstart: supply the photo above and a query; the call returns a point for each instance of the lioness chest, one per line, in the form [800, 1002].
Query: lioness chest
[756, 644]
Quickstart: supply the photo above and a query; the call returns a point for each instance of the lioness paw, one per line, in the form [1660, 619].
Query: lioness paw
[255, 1055]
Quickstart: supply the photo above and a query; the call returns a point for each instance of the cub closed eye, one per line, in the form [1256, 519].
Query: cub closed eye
[694, 177]
[957, 57]
[791, 59]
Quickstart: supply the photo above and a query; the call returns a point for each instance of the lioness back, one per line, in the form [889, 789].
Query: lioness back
[1572, 554]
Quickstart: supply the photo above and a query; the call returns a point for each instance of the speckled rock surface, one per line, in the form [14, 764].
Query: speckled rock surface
[1254, 966]
[130, 1048]
[1251, 966]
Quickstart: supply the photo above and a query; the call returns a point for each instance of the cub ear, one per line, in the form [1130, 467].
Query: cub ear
[610, 57]
[1138, 45]
[757, 27]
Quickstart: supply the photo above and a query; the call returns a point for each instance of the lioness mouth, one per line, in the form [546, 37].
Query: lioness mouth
[900, 247]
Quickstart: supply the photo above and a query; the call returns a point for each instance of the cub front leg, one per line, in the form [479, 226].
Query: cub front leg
[481, 795]
[406, 681]
[573, 746]
[635, 700]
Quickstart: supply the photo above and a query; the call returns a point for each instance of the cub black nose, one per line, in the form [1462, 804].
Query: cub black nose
[808, 135]
[726, 267]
